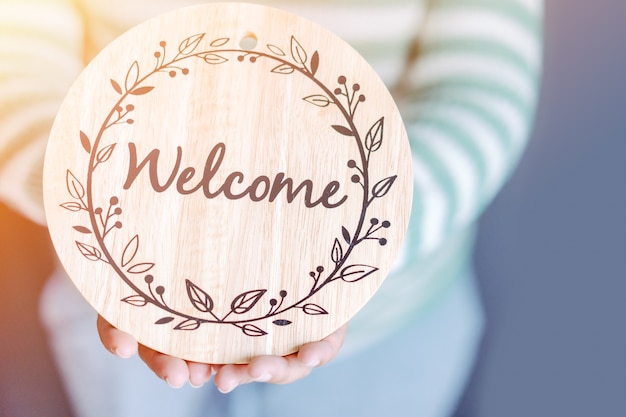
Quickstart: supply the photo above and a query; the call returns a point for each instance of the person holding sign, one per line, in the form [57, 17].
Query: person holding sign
[464, 75]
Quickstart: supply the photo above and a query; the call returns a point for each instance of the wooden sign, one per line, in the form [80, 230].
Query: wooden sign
[228, 180]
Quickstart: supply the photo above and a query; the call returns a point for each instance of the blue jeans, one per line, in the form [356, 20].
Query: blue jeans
[420, 370]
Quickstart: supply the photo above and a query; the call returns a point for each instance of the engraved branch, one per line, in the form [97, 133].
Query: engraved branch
[244, 308]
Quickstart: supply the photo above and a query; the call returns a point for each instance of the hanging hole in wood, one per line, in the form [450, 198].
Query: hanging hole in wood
[248, 42]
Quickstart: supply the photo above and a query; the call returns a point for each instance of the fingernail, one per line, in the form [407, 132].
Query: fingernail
[264, 378]
[195, 386]
[227, 389]
[312, 363]
[172, 385]
[121, 353]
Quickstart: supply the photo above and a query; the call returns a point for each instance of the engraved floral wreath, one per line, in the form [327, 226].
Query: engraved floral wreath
[104, 220]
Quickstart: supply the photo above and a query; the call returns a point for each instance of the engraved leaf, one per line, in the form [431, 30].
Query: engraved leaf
[116, 86]
[354, 273]
[198, 297]
[252, 330]
[275, 50]
[74, 186]
[130, 251]
[337, 252]
[190, 44]
[313, 309]
[382, 187]
[374, 138]
[82, 229]
[346, 234]
[283, 69]
[220, 42]
[105, 153]
[72, 206]
[132, 76]
[319, 100]
[84, 140]
[244, 302]
[135, 300]
[189, 324]
[214, 59]
[88, 251]
[297, 52]
[282, 322]
[141, 268]
[315, 62]
[343, 130]
[164, 320]
[141, 90]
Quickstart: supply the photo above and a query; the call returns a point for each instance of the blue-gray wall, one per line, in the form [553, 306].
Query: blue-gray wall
[552, 252]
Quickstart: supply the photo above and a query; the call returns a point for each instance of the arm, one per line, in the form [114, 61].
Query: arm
[40, 51]
[468, 102]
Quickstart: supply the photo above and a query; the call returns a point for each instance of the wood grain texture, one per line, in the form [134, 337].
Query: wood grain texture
[226, 181]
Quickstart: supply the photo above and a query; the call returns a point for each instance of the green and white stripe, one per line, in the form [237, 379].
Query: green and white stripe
[474, 90]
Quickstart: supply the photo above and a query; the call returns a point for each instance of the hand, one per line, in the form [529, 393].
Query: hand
[272, 369]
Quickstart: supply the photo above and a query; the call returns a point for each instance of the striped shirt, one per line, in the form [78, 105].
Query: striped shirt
[467, 99]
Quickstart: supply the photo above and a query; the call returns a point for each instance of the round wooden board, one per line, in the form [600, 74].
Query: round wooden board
[226, 181]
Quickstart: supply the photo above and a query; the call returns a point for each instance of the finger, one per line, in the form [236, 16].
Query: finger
[229, 377]
[278, 369]
[322, 352]
[270, 369]
[199, 373]
[169, 368]
[116, 341]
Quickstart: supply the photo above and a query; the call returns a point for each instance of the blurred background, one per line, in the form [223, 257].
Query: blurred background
[551, 257]
[551, 254]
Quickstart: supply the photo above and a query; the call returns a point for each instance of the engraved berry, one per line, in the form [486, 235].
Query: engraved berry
[240, 58]
[320, 269]
[253, 59]
[273, 302]
[312, 274]
[162, 43]
[386, 224]
[130, 107]
[172, 74]
[356, 87]
[98, 211]
[351, 163]
[341, 79]
[185, 71]
[118, 211]
[374, 221]
[283, 293]
[130, 121]
[355, 178]
[361, 98]
[157, 54]
[382, 241]
[118, 225]
[337, 90]
[114, 200]
[149, 279]
[160, 290]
